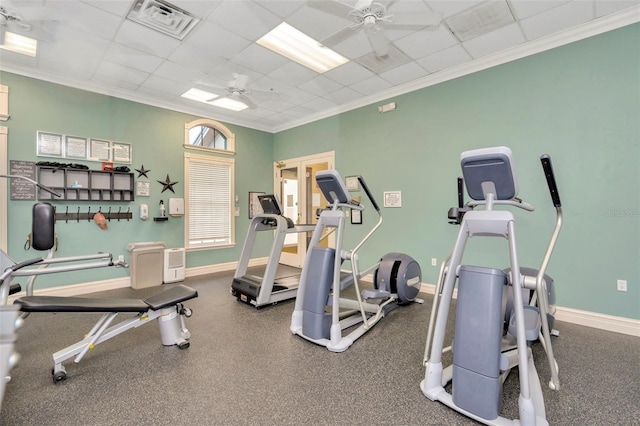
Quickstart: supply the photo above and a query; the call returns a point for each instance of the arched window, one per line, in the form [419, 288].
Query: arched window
[209, 186]
[209, 135]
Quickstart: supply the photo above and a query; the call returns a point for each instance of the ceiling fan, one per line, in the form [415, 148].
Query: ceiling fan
[373, 18]
[14, 22]
[12, 19]
[236, 89]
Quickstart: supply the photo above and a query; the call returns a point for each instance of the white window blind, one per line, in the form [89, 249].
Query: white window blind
[210, 201]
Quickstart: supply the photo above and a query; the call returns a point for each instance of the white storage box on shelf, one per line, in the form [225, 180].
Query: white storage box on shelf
[146, 262]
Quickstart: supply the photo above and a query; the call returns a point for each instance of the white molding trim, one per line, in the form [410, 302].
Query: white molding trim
[601, 321]
[575, 316]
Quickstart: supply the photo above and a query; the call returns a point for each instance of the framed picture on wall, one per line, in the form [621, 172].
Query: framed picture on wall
[121, 152]
[49, 145]
[75, 147]
[100, 150]
[254, 204]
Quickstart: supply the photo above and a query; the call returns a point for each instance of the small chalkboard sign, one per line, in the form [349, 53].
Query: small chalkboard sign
[20, 188]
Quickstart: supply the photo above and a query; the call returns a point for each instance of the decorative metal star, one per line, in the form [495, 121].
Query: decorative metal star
[167, 184]
[142, 172]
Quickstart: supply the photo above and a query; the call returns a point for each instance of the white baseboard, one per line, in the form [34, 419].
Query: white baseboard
[574, 316]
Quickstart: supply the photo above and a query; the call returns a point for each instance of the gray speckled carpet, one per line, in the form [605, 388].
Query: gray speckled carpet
[245, 367]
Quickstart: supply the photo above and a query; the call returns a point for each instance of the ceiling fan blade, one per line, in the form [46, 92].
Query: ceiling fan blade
[363, 4]
[247, 101]
[332, 7]
[379, 42]
[414, 20]
[338, 37]
[240, 81]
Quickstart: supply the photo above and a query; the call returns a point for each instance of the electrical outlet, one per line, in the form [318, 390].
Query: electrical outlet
[434, 261]
[622, 285]
[121, 258]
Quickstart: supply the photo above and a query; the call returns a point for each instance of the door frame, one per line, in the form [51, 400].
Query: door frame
[296, 260]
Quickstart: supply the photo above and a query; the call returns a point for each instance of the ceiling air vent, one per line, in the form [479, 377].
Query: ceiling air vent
[393, 59]
[163, 17]
[481, 19]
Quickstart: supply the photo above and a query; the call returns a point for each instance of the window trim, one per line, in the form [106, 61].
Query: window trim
[188, 157]
[231, 137]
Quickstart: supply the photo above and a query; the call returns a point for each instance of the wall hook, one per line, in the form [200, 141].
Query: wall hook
[128, 210]
[78, 215]
[89, 214]
[66, 215]
[109, 214]
[119, 209]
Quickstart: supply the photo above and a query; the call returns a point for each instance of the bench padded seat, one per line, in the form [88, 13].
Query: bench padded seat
[169, 297]
[80, 304]
[161, 300]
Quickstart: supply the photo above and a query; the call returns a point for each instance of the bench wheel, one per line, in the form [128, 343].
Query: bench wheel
[59, 376]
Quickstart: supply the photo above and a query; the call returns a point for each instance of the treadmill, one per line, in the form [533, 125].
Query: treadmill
[266, 290]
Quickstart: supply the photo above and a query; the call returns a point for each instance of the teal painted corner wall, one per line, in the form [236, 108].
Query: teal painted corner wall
[579, 103]
[156, 136]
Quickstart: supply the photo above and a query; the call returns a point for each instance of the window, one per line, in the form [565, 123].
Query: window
[209, 135]
[209, 188]
[209, 196]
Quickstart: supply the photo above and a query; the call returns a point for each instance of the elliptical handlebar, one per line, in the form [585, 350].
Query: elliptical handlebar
[551, 180]
[369, 195]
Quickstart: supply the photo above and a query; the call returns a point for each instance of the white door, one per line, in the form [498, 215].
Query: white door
[300, 198]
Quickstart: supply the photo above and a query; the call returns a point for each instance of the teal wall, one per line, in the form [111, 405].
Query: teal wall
[156, 136]
[579, 103]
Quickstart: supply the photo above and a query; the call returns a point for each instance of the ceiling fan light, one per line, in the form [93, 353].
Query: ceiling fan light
[19, 44]
[299, 47]
[230, 104]
[198, 95]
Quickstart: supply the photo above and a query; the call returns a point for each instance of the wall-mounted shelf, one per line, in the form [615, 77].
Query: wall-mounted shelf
[85, 185]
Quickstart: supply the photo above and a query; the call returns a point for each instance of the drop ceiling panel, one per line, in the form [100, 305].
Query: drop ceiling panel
[426, 42]
[213, 40]
[447, 58]
[554, 20]
[91, 45]
[495, 41]
[404, 73]
[132, 58]
[371, 85]
[247, 19]
[259, 59]
[141, 38]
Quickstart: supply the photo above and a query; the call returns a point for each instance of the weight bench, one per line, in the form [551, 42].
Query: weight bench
[166, 307]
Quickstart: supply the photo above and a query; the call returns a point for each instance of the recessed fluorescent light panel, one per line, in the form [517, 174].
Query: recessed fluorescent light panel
[213, 99]
[229, 103]
[199, 95]
[19, 44]
[299, 47]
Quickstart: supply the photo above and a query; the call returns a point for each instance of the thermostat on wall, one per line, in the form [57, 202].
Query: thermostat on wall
[352, 183]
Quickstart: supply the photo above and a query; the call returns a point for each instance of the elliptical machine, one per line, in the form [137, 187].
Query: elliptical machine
[477, 375]
[321, 313]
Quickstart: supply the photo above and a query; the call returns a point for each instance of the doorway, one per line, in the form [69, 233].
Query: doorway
[294, 183]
